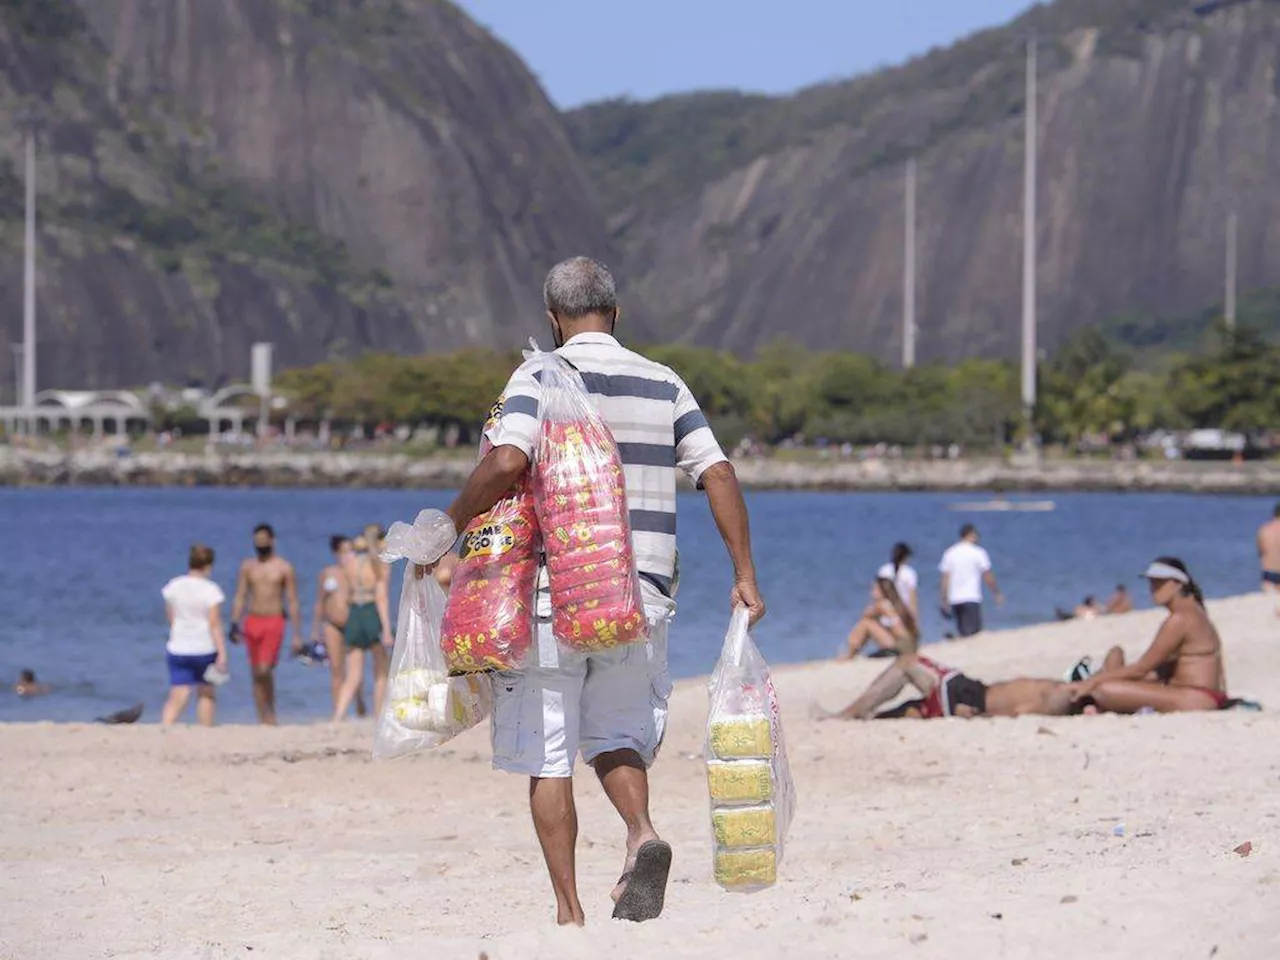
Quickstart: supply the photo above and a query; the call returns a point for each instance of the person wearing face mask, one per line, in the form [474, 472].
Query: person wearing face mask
[265, 585]
[1181, 670]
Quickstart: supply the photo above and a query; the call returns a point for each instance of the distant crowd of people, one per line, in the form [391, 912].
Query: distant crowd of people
[351, 623]
[1181, 670]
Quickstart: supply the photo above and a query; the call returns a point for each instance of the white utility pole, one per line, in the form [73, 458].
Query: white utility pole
[1229, 310]
[1029, 245]
[909, 273]
[29, 281]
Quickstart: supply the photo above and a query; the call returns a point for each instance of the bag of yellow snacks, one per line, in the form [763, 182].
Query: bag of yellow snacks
[752, 796]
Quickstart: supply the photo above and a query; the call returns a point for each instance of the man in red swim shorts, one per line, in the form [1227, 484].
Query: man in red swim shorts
[266, 582]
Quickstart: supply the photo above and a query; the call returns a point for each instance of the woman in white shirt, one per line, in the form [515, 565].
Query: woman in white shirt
[193, 604]
[904, 577]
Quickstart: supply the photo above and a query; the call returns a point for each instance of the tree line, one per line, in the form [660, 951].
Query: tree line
[1090, 387]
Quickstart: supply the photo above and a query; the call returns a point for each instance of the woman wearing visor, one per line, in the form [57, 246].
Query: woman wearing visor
[1181, 670]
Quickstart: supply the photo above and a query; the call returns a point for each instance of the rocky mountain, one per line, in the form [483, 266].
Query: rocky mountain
[744, 218]
[329, 175]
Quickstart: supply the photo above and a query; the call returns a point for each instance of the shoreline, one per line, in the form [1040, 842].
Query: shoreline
[98, 468]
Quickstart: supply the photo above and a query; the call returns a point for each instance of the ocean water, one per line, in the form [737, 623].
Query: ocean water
[80, 588]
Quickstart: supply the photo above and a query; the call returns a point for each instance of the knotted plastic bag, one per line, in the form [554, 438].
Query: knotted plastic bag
[488, 621]
[424, 707]
[752, 796]
[580, 494]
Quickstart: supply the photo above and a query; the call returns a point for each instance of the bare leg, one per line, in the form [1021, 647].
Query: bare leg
[381, 664]
[556, 821]
[352, 679]
[175, 705]
[626, 784]
[866, 630]
[1114, 660]
[337, 660]
[885, 687]
[206, 705]
[264, 694]
[1130, 696]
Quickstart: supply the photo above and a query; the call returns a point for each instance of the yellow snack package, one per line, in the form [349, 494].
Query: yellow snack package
[741, 737]
[749, 869]
[744, 826]
[746, 781]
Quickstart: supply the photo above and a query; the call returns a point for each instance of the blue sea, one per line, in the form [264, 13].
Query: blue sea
[83, 568]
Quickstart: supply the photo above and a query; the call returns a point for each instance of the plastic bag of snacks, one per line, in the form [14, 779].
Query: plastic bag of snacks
[425, 707]
[752, 796]
[488, 622]
[580, 493]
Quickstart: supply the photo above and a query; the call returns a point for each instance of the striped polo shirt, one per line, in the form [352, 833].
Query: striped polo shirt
[656, 422]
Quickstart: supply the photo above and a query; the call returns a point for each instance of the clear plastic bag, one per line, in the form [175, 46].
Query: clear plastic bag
[580, 493]
[748, 777]
[425, 707]
[488, 621]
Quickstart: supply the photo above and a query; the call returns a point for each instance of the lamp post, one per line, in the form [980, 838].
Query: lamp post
[29, 120]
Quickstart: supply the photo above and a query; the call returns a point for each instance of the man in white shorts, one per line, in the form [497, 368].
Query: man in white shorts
[610, 706]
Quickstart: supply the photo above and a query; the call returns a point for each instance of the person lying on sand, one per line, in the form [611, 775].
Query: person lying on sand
[946, 692]
[1181, 670]
[887, 620]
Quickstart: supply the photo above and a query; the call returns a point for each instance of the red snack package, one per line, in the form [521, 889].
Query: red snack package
[581, 497]
[488, 620]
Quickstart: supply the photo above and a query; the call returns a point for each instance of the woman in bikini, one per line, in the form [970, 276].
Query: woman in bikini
[1182, 670]
[368, 626]
[332, 606]
[887, 620]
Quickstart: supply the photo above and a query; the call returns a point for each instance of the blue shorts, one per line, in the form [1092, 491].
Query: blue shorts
[188, 671]
[1271, 576]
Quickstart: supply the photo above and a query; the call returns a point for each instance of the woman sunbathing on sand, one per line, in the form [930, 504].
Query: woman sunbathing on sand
[1181, 670]
[946, 692]
[887, 620]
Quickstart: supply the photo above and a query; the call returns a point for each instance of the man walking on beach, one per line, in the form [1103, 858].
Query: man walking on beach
[965, 567]
[1269, 554]
[612, 705]
[266, 582]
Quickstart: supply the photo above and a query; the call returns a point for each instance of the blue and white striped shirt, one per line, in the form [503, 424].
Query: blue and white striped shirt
[656, 422]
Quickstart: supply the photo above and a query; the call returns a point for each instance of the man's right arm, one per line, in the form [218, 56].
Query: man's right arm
[242, 589]
[724, 494]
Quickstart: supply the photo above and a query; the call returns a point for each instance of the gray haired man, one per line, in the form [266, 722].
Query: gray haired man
[611, 706]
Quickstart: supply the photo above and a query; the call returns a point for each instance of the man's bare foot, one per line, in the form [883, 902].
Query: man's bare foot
[569, 920]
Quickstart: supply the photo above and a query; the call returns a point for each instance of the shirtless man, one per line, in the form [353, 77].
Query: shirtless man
[1269, 554]
[1181, 670]
[333, 603]
[267, 582]
[946, 692]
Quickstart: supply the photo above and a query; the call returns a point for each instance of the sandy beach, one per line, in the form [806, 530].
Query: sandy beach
[1073, 837]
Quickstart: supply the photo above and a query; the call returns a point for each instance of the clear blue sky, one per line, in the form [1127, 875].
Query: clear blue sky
[586, 50]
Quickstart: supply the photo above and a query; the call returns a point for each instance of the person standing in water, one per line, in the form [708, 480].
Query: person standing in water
[266, 584]
[330, 618]
[368, 628]
[965, 567]
[1269, 555]
[193, 606]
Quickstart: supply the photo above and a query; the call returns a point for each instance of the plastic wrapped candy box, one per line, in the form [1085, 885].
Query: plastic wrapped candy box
[581, 497]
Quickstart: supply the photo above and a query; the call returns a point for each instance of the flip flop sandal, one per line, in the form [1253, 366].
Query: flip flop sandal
[647, 885]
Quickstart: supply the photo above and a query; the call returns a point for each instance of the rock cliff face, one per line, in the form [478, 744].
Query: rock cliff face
[330, 175]
[785, 216]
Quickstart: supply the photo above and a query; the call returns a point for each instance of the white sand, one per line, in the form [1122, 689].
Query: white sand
[947, 839]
